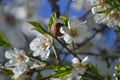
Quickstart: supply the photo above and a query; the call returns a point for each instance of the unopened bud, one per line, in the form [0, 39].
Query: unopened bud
[55, 29]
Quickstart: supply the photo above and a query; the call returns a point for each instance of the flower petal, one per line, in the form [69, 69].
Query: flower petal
[10, 54]
[12, 62]
[37, 53]
[35, 44]
[85, 61]
[45, 55]
[75, 62]
[67, 38]
[20, 68]
[77, 72]
[64, 30]
[17, 51]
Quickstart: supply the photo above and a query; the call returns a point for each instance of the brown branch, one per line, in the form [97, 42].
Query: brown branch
[87, 40]
[55, 7]
[117, 55]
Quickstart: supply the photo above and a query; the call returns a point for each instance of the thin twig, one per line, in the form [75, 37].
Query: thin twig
[75, 55]
[87, 40]
[117, 55]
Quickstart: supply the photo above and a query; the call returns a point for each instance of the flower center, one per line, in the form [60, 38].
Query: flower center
[21, 58]
[47, 38]
[73, 32]
[101, 4]
[44, 46]
[80, 66]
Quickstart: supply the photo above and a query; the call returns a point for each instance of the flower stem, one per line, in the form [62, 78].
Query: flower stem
[75, 55]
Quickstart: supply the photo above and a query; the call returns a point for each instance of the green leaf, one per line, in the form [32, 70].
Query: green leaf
[37, 26]
[94, 70]
[61, 71]
[61, 75]
[3, 41]
[7, 72]
[52, 20]
[118, 65]
[65, 19]
[117, 36]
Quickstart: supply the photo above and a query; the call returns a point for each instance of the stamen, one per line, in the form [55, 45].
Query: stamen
[73, 32]
[21, 58]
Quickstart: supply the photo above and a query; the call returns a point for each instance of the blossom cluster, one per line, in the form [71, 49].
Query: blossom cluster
[19, 61]
[46, 51]
[106, 12]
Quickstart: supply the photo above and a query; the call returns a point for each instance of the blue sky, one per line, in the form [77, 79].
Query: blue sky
[45, 9]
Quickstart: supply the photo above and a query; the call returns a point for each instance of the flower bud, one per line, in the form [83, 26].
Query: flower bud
[55, 29]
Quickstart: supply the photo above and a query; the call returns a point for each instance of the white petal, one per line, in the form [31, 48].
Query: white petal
[85, 61]
[77, 72]
[12, 62]
[74, 23]
[64, 30]
[97, 9]
[20, 68]
[10, 54]
[67, 38]
[45, 55]
[17, 51]
[26, 58]
[82, 71]
[22, 52]
[35, 44]
[37, 53]
[75, 62]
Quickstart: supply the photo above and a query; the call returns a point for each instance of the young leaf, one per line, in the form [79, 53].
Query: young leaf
[3, 41]
[37, 26]
[7, 72]
[118, 65]
[93, 69]
[52, 20]
[65, 19]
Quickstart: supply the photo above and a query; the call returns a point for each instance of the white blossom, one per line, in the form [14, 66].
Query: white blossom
[76, 31]
[18, 60]
[79, 67]
[40, 46]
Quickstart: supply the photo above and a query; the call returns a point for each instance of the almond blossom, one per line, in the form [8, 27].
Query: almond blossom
[40, 46]
[18, 60]
[79, 67]
[75, 32]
